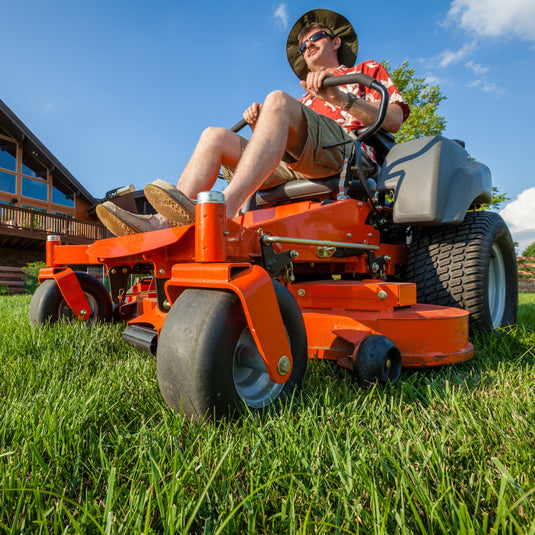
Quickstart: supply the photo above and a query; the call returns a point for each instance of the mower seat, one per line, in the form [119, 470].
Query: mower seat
[321, 188]
[302, 190]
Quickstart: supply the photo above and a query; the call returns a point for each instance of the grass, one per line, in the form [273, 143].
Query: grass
[88, 445]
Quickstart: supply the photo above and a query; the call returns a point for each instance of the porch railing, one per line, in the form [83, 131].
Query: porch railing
[43, 223]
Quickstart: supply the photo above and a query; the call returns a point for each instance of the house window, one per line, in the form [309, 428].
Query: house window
[34, 208]
[8, 155]
[62, 214]
[32, 167]
[34, 189]
[61, 196]
[8, 182]
[34, 177]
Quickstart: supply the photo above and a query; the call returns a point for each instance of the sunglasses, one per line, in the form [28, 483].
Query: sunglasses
[313, 38]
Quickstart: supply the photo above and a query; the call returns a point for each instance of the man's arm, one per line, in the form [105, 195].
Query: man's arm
[364, 111]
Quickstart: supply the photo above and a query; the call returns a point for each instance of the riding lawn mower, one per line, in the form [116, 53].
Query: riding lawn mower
[375, 274]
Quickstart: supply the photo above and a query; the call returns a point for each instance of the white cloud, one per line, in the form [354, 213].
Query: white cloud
[431, 79]
[281, 15]
[495, 18]
[476, 67]
[449, 56]
[520, 217]
[489, 87]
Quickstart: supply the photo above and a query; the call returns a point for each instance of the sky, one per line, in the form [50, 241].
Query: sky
[120, 90]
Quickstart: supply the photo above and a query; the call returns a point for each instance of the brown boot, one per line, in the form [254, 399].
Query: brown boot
[122, 223]
[170, 202]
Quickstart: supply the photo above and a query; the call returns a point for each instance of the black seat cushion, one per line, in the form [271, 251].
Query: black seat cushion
[319, 188]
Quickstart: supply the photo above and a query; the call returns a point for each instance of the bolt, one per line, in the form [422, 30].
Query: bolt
[382, 294]
[166, 304]
[349, 235]
[301, 292]
[284, 365]
[161, 271]
[83, 312]
[387, 258]
[113, 271]
[294, 254]
[125, 270]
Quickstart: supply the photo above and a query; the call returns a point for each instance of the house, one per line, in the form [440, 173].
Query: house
[38, 197]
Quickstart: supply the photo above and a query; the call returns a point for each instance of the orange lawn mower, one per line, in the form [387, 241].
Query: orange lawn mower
[374, 273]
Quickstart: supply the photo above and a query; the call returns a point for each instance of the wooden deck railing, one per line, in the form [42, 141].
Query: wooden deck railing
[11, 280]
[526, 273]
[43, 223]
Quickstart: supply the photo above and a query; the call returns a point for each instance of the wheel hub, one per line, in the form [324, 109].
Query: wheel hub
[251, 379]
[497, 286]
[64, 311]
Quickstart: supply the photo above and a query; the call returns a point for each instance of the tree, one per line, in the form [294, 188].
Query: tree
[423, 100]
[529, 250]
[497, 200]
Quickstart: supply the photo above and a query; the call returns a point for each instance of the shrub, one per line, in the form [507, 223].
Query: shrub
[31, 272]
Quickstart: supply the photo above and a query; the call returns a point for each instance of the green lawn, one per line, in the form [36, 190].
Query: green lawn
[88, 445]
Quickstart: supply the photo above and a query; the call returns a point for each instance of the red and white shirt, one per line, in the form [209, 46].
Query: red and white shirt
[344, 118]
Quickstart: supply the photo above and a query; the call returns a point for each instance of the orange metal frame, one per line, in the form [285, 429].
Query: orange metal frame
[218, 253]
[70, 290]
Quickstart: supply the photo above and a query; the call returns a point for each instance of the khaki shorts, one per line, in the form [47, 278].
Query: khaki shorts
[315, 161]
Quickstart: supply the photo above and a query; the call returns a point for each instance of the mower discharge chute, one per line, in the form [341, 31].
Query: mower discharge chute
[376, 274]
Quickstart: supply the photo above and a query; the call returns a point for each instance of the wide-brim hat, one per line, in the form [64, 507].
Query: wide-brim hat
[341, 27]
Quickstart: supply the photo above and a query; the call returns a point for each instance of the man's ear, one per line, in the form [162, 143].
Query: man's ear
[337, 43]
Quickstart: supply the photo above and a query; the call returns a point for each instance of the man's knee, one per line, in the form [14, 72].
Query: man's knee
[215, 136]
[279, 100]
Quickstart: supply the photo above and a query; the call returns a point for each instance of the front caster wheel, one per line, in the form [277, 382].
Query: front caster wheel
[48, 304]
[208, 363]
[377, 360]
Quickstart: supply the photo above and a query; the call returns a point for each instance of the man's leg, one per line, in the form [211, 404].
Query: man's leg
[216, 146]
[281, 127]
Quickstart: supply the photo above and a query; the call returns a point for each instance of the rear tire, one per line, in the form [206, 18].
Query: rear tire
[48, 304]
[470, 266]
[207, 361]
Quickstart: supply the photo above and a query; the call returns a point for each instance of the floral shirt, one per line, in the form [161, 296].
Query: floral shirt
[344, 118]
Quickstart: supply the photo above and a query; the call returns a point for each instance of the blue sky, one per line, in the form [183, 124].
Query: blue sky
[120, 90]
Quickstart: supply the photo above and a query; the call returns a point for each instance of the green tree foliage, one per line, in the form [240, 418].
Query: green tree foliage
[529, 250]
[423, 100]
[31, 274]
[497, 200]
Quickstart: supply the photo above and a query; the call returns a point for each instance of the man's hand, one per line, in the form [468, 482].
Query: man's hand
[313, 85]
[362, 110]
[252, 113]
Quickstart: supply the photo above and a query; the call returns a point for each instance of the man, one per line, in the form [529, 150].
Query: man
[289, 135]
